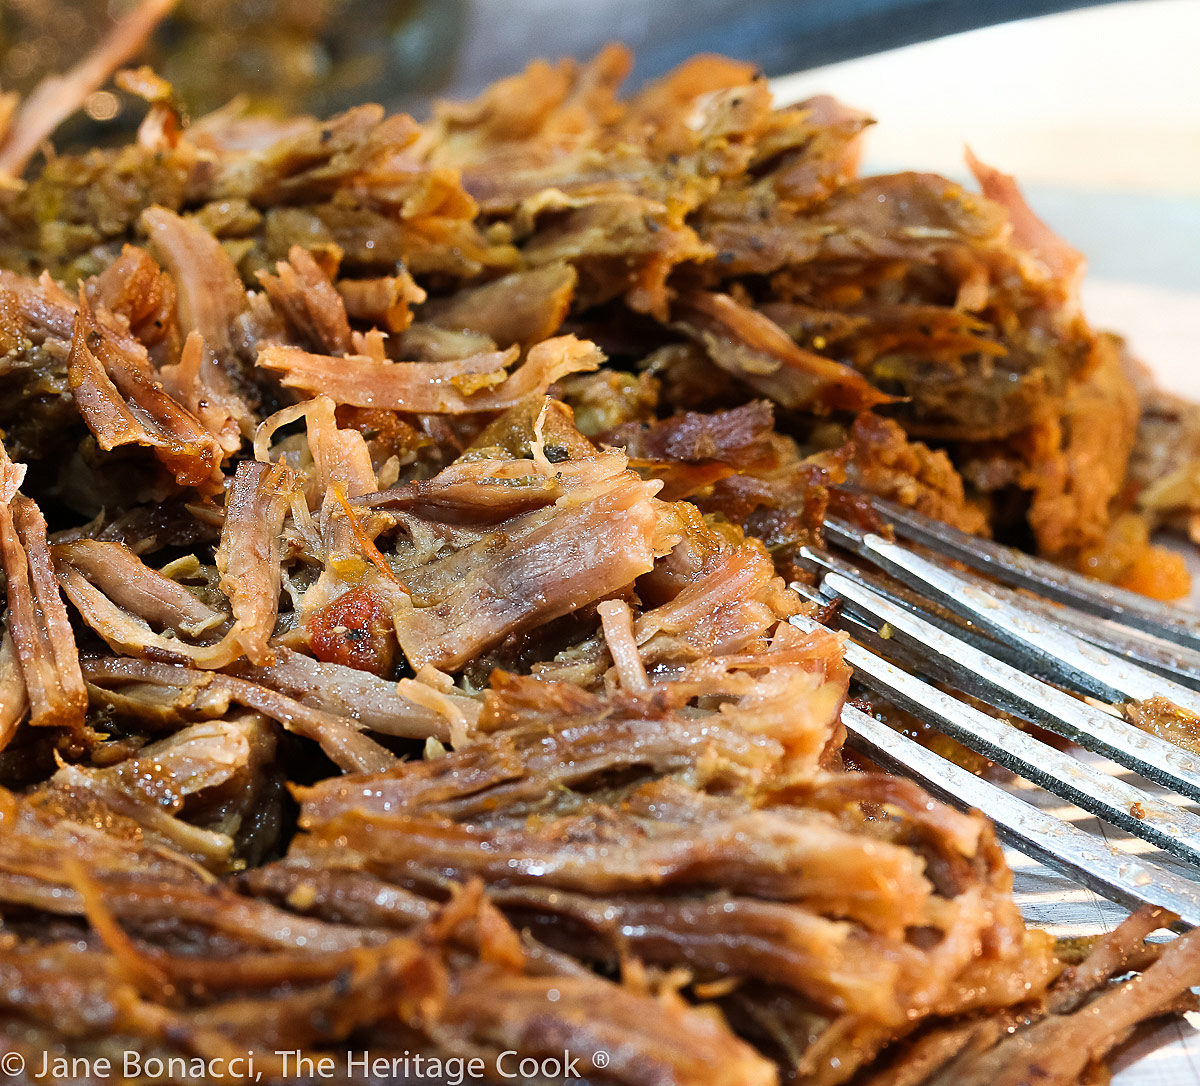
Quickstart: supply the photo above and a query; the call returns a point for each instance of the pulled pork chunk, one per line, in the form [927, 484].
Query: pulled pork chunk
[309, 301]
[751, 347]
[398, 652]
[1063, 265]
[211, 296]
[639, 846]
[735, 437]
[523, 308]
[884, 462]
[385, 301]
[538, 567]
[123, 403]
[219, 769]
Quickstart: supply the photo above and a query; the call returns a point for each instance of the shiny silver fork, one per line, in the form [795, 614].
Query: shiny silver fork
[1038, 643]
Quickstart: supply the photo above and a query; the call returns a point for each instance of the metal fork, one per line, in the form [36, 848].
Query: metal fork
[1037, 642]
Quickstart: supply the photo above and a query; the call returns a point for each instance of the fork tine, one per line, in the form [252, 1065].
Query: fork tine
[1039, 834]
[1009, 688]
[1079, 662]
[823, 562]
[1162, 823]
[1180, 663]
[1022, 570]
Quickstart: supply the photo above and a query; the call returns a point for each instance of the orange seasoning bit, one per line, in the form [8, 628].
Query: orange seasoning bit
[367, 544]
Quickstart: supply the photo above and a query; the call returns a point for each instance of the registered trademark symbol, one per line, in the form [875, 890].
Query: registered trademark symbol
[600, 1059]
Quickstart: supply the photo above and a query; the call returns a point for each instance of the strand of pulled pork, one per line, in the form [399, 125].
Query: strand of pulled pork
[574, 532]
[480, 382]
[120, 395]
[339, 738]
[37, 618]
[190, 382]
[340, 456]
[309, 301]
[375, 703]
[133, 585]
[213, 304]
[248, 556]
[616, 620]
[142, 882]
[14, 702]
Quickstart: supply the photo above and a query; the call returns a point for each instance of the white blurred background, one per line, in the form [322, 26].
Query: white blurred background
[1097, 112]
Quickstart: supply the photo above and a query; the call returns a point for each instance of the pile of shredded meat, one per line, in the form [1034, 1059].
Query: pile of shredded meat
[396, 524]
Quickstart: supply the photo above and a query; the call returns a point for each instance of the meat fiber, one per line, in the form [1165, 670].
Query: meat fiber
[40, 632]
[478, 383]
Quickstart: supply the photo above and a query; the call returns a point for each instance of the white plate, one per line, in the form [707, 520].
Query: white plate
[1168, 1055]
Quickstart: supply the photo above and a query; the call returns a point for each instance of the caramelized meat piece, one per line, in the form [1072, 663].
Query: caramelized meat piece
[354, 630]
[884, 462]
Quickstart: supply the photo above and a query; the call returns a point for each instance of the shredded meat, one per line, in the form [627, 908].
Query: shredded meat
[211, 300]
[123, 403]
[750, 346]
[577, 553]
[385, 301]
[910, 473]
[523, 308]
[398, 524]
[178, 692]
[14, 701]
[1064, 265]
[133, 585]
[311, 305]
[248, 558]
